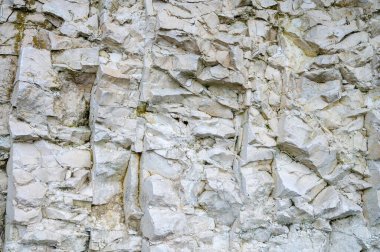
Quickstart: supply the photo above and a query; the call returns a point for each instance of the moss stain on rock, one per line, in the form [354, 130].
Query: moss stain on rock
[20, 27]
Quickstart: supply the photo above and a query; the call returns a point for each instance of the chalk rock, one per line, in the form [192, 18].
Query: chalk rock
[294, 179]
[161, 222]
[215, 128]
[158, 191]
[332, 205]
[35, 67]
[371, 120]
[85, 59]
[67, 11]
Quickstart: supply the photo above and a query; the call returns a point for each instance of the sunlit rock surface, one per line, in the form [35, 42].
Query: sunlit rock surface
[190, 125]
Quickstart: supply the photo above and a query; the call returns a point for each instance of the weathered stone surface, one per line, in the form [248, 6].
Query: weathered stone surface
[79, 59]
[293, 179]
[372, 121]
[297, 139]
[244, 125]
[331, 205]
[371, 196]
[159, 223]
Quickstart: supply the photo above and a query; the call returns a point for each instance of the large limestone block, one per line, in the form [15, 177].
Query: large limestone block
[121, 132]
[169, 22]
[157, 164]
[32, 103]
[330, 204]
[225, 184]
[74, 158]
[56, 233]
[298, 139]
[8, 37]
[110, 160]
[372, 120]
[222, 198]
[162, 132]
[371, 197]
[293, 135]
[361, 76]
[78, 59]
[293, 179]
[113, 240]
[68, 11]
[350, 234]
[31, 194]
[219, 75]
[257, 184]
[131, 183]
[324, 37]
[258, 28]
[35, 67]
[113, 88]
[158, 191]
[221, 128]
[302, 239]
[159, 223]
[24, 216]
[109, 166]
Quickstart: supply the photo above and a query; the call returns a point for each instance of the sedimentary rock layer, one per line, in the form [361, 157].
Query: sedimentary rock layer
[190, 125]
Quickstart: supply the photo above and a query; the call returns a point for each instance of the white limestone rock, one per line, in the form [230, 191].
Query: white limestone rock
[319, 35]
[371, 197]
[243, 125]
[158, 191]
[73, 10]
[257, 184]
[161, 222]
[111, 240]
[35, 67]
[156, 164]
[110, 164]
[295, 137]
[293, 134]
[371, 120]
[79, 59]
[32, 103]
[215, 128]
[218, 75]
[330, 204]
[293, 179]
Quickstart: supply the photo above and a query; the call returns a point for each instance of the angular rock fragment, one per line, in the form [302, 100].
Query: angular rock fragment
[73, 10]
[35, 67]
[330, 204]
[372, 120]
[155, 163]
[215, 128]
[161, 222]
[295, 138]
[79, 59]
[219, 75]
[244, 125]
[293, 179]
[371, 197]
[158, 191]
[110, 164]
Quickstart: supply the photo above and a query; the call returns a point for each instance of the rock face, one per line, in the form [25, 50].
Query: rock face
[183, 125]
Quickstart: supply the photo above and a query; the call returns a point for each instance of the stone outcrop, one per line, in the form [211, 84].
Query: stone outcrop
[183, 125]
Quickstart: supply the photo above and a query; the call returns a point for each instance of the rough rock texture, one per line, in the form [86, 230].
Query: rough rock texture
[190, 125]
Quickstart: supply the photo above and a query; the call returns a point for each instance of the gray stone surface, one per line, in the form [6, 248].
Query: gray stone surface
[182, 125]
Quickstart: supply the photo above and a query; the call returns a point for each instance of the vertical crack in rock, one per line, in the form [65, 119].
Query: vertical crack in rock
[181, 125]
